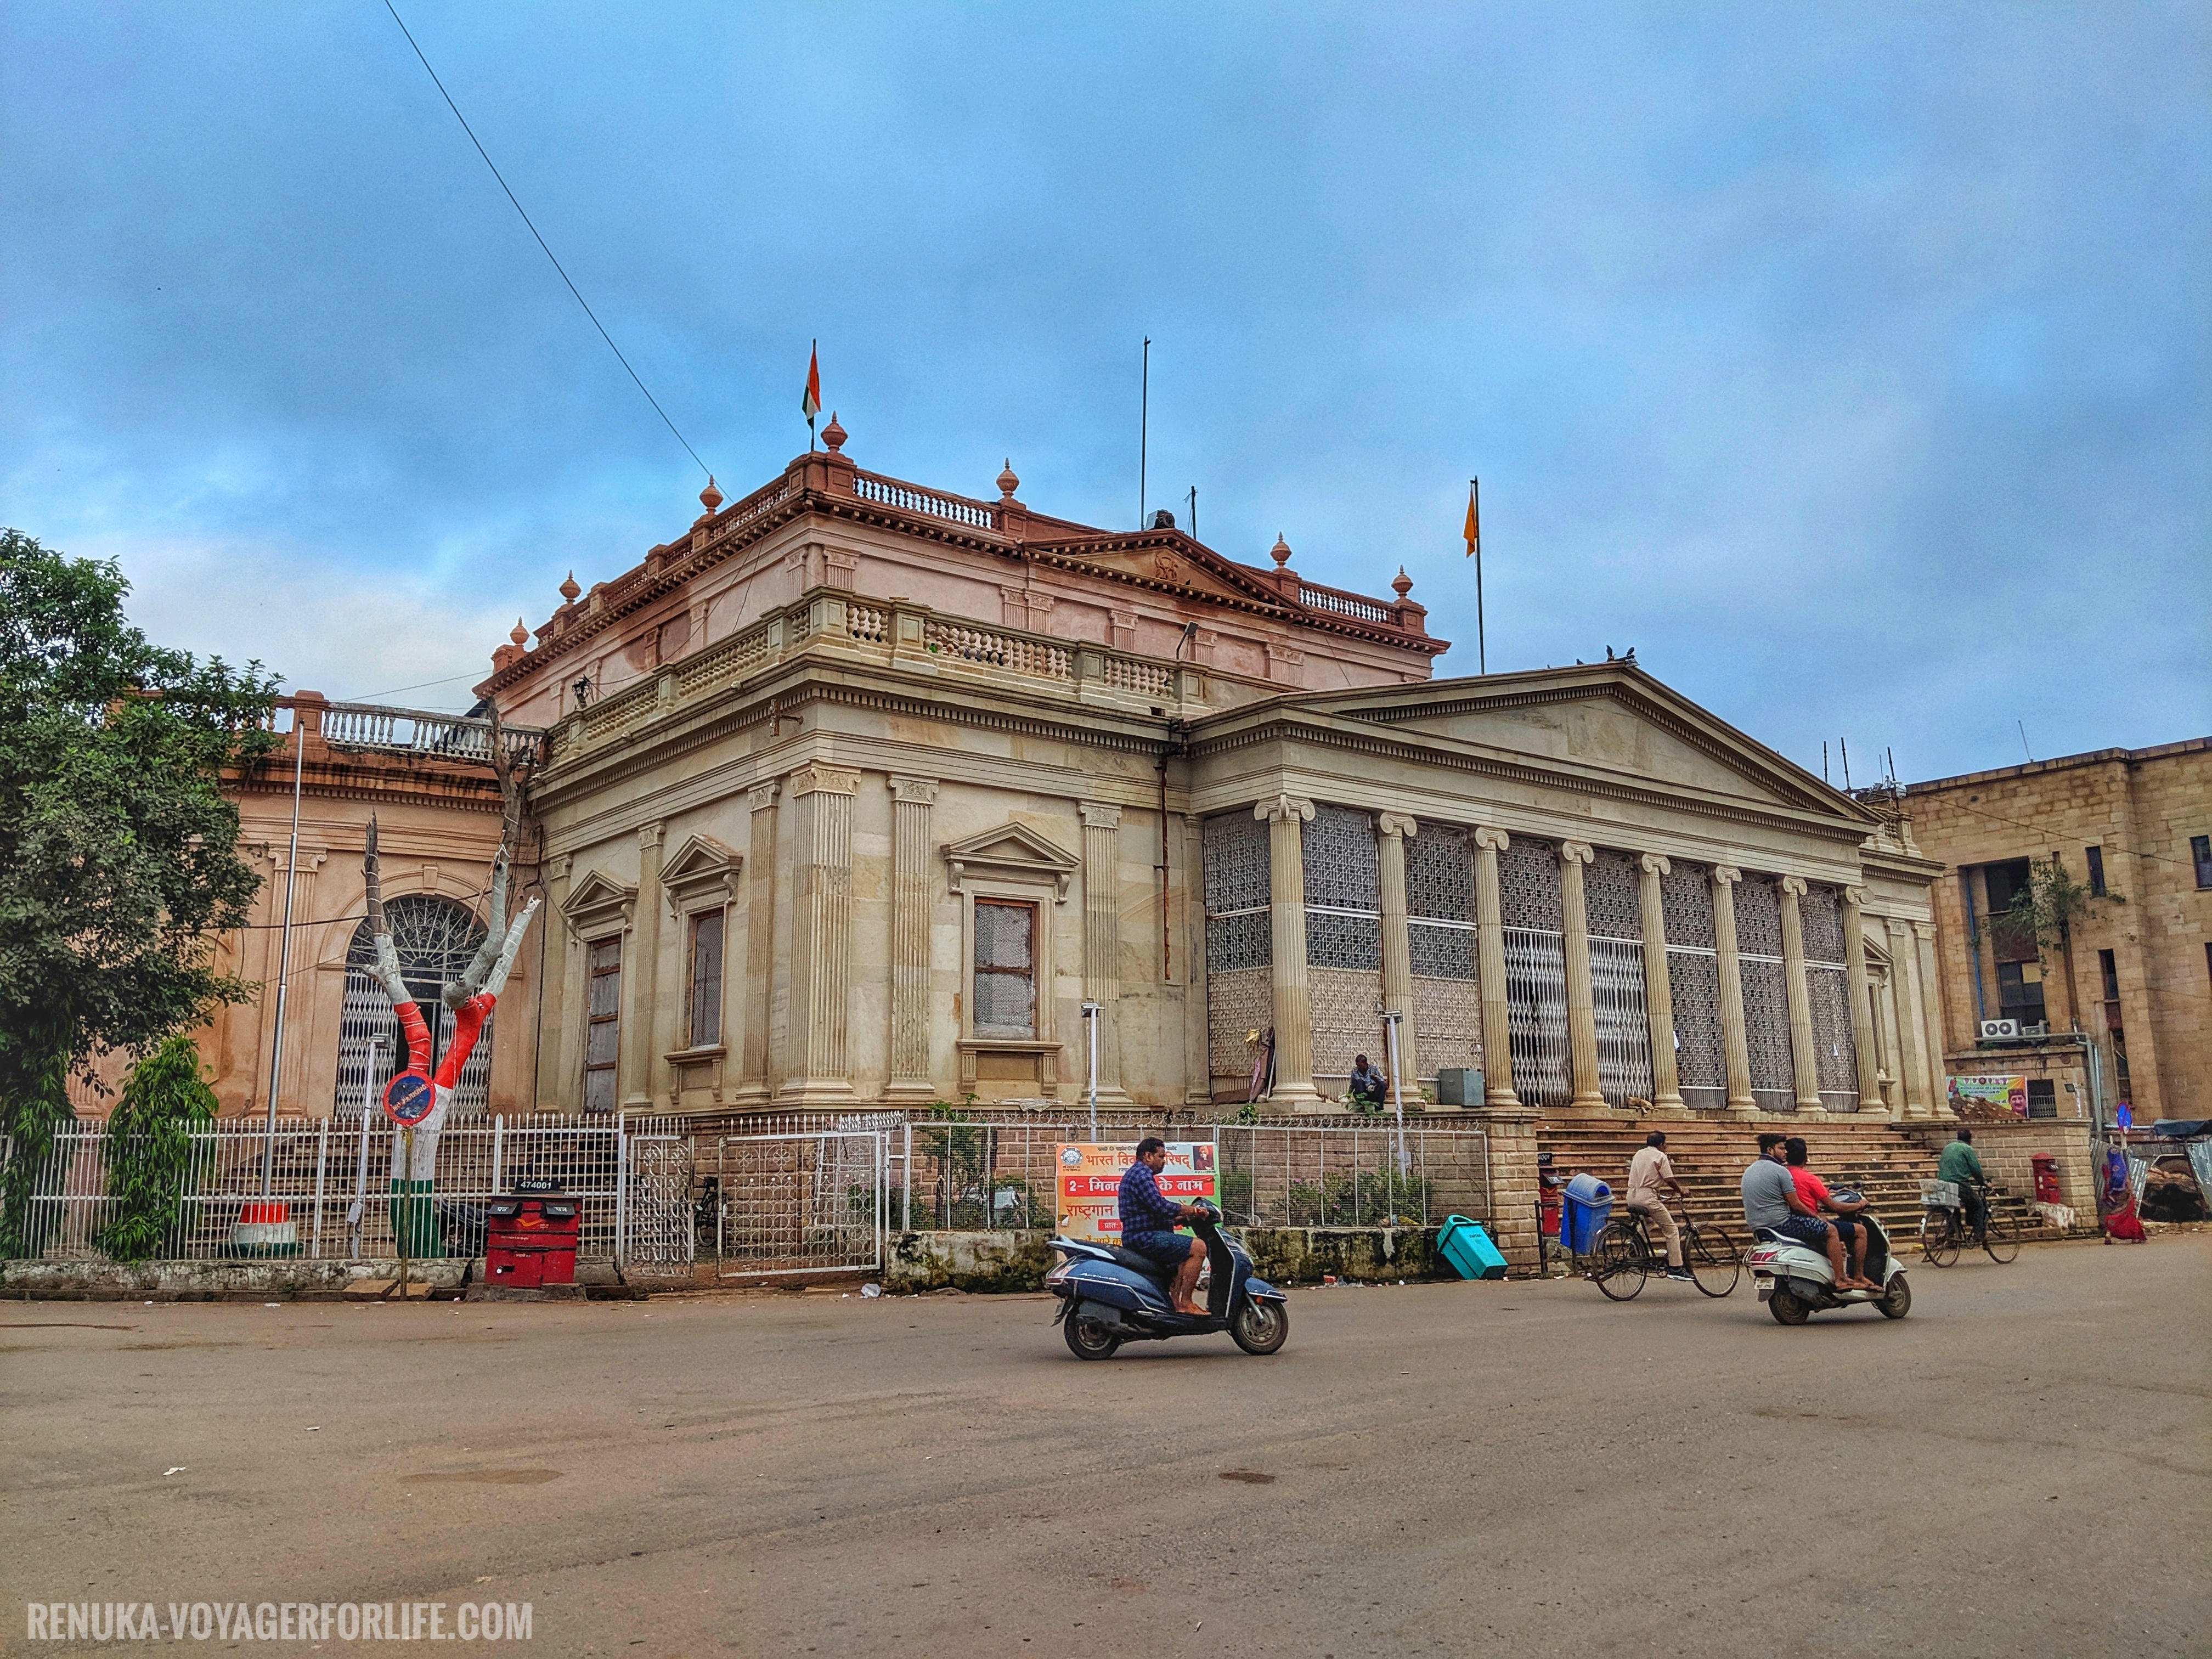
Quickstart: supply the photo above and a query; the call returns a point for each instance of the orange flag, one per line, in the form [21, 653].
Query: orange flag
[1474, 531]
[811, 404]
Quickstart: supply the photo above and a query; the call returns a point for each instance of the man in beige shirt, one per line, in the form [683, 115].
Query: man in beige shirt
[1651, 1175]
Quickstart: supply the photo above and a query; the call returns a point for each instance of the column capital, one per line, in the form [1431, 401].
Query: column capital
[649, 835]
[816, 779]
[1853, 897]
[1097, 816]
[1284, 807]
[1396, 823]
[1899, 928]
[1924, 930]
[1487, 840]
[1726, 875]
[762, 796]
[1794, 886]
[1656, 864]
[1577, 852]
[915, 789]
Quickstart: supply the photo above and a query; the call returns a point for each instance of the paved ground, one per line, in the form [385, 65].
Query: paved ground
[2022, 1467]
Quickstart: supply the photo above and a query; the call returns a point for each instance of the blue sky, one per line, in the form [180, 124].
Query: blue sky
[1853, 362]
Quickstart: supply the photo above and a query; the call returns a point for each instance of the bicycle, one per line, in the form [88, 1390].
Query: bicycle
[1944, 1231]
[1625, 1257]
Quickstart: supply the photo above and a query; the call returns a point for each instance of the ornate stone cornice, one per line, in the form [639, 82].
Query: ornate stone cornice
[1097, 816]
[762, 796]
[921, 790]
[816, 779]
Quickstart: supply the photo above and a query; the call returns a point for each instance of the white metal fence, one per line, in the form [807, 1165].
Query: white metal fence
[334, 1176]
[808, 1201]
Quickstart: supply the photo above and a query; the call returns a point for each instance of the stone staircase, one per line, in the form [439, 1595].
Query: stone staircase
[1881, 1159]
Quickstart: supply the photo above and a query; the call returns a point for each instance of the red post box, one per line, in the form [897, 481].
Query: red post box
[530, 1241]
[2046, 1177]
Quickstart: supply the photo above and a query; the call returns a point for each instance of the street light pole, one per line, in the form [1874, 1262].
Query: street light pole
[283, 960]
[1090, 1011]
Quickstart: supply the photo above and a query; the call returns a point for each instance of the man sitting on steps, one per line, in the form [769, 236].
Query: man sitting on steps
[1770, 1205]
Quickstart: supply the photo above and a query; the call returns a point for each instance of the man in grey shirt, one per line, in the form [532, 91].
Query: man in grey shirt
[1771, 1203]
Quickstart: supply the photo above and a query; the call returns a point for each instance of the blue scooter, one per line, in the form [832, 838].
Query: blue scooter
[1110, 1296]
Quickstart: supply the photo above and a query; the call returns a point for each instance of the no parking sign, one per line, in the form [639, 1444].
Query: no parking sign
[408, 1098]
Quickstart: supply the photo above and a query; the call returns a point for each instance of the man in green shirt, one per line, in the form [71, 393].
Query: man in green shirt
[1960, 1163]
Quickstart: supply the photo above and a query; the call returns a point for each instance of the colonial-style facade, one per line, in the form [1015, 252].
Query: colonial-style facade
[860, 791]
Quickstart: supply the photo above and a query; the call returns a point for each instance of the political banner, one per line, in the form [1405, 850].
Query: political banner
[1991, 1090]
[1089, 1182]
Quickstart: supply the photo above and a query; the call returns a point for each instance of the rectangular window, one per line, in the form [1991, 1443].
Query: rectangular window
[1006, 969]
[602, 1024]
[2004, 884]
[2109, 969]
[704, 1029]
[2019, 992]
[2200, 850]
[2042, 1097]
[2096, 872]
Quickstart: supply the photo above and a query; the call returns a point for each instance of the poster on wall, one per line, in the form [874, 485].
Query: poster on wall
[1991, 1090]
[1090, 1183]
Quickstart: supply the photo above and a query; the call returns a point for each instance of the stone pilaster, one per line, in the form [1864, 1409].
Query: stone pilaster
[1925, 993]
[1102, 937]
[1658, 988]
[1855, 981]
[822, 932]
[1285, 816]
[1804, 1073]
[640, 1058]
[1733, 1044]
[1198, 1066]
[1904, 976]
[760, 944]
[1497, 1094]
[1392, 829]
[1581, 1013]
[911, 801]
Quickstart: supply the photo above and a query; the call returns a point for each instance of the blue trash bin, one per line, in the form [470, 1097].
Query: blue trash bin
[1584, 1211]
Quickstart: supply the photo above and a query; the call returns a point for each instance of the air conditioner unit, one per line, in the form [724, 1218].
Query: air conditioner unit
[2040, 1029]
[1999, 1030]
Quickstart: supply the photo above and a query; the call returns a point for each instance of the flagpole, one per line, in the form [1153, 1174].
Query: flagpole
[1144, 425]
[813, 352]
[1481, 640]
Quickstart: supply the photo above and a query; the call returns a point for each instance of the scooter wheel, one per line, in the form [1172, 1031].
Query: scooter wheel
[1089, 1340]
[1787, 1309]
[1261, 1326]
[1897, 1301]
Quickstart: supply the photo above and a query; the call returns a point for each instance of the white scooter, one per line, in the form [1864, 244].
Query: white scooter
[1795, 1281]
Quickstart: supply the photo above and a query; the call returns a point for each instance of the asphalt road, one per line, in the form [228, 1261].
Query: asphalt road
[2024, 1465]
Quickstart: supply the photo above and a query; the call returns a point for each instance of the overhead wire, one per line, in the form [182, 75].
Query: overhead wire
[526, 220]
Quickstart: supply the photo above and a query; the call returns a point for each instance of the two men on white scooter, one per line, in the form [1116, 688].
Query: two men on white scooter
[1845, 1213]
[1770, 1205]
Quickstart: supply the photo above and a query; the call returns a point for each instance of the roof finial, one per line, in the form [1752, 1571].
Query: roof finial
[1008, 484]
[568, 588]
[1281, 552]
[1403, 585]
[710, 498]
[519, 634]
[832, 434]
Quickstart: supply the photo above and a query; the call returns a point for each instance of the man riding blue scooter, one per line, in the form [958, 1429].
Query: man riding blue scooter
[1149, 1219]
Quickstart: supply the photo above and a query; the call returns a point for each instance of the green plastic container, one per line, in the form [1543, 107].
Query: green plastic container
[1469, 1249]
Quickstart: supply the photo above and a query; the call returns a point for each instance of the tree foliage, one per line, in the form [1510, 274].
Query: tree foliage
[2042, 913]
[149, 1148]
[118, 853]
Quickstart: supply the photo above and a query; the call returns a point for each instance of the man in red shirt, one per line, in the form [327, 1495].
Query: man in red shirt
[1814, 1192]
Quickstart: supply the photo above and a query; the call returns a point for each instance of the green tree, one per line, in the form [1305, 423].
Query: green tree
[118, 853]
[150, 1147]
[2044, 912]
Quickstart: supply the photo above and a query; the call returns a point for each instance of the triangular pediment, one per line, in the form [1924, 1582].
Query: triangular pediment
[1164, 558]
[701, 860]
[1011, 850]
[599, 898]
[1609, 717]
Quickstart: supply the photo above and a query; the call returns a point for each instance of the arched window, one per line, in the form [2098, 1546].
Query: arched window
[435, 937]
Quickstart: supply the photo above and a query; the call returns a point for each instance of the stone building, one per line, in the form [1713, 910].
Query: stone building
[858, 792]
[2132, 826]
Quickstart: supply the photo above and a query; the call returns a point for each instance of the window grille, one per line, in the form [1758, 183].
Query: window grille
[1820, 923]
[1347, 1020]
[1342, 865]
[1686, 894]
[1624, 1037]
[1759, 917]
[1528, 884]
[1536, 1014]
[1766, 1032]
[1440, 924]
[1835, 1053]
[435, 938]
[1006, 969]
[1700, 1062]
[1240, 944]
[1609, 897]
[1235, 856]
[1440, 873]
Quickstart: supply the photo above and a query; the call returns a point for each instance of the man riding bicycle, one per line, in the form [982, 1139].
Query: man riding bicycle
[1651, 1175]
[1962, 1165]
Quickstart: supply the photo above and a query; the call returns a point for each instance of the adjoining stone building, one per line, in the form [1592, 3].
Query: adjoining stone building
[859, 791]
[2134, 978]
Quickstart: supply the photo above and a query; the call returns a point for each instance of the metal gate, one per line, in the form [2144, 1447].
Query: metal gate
[801, 1203]
[658, 1234]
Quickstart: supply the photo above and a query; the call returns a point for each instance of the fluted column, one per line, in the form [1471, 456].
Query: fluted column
[1733, 1044]
[760, 942]
[1490, 974]
[1102, 935]
[1581, 1013]
[1658, 988]
[1392, 829]
[641, 1055]
[911, 801]
[1854, 982]
[1285, 816]
[1904, 975]
[1804, 1071]
[1926, 991]
[822, 931]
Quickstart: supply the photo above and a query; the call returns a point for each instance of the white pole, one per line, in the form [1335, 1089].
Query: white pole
[361, 1173]
[284, 959]
[1397, 1087]
[1091, 1011]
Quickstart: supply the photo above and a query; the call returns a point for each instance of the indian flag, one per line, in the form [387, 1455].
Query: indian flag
[811, 404]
